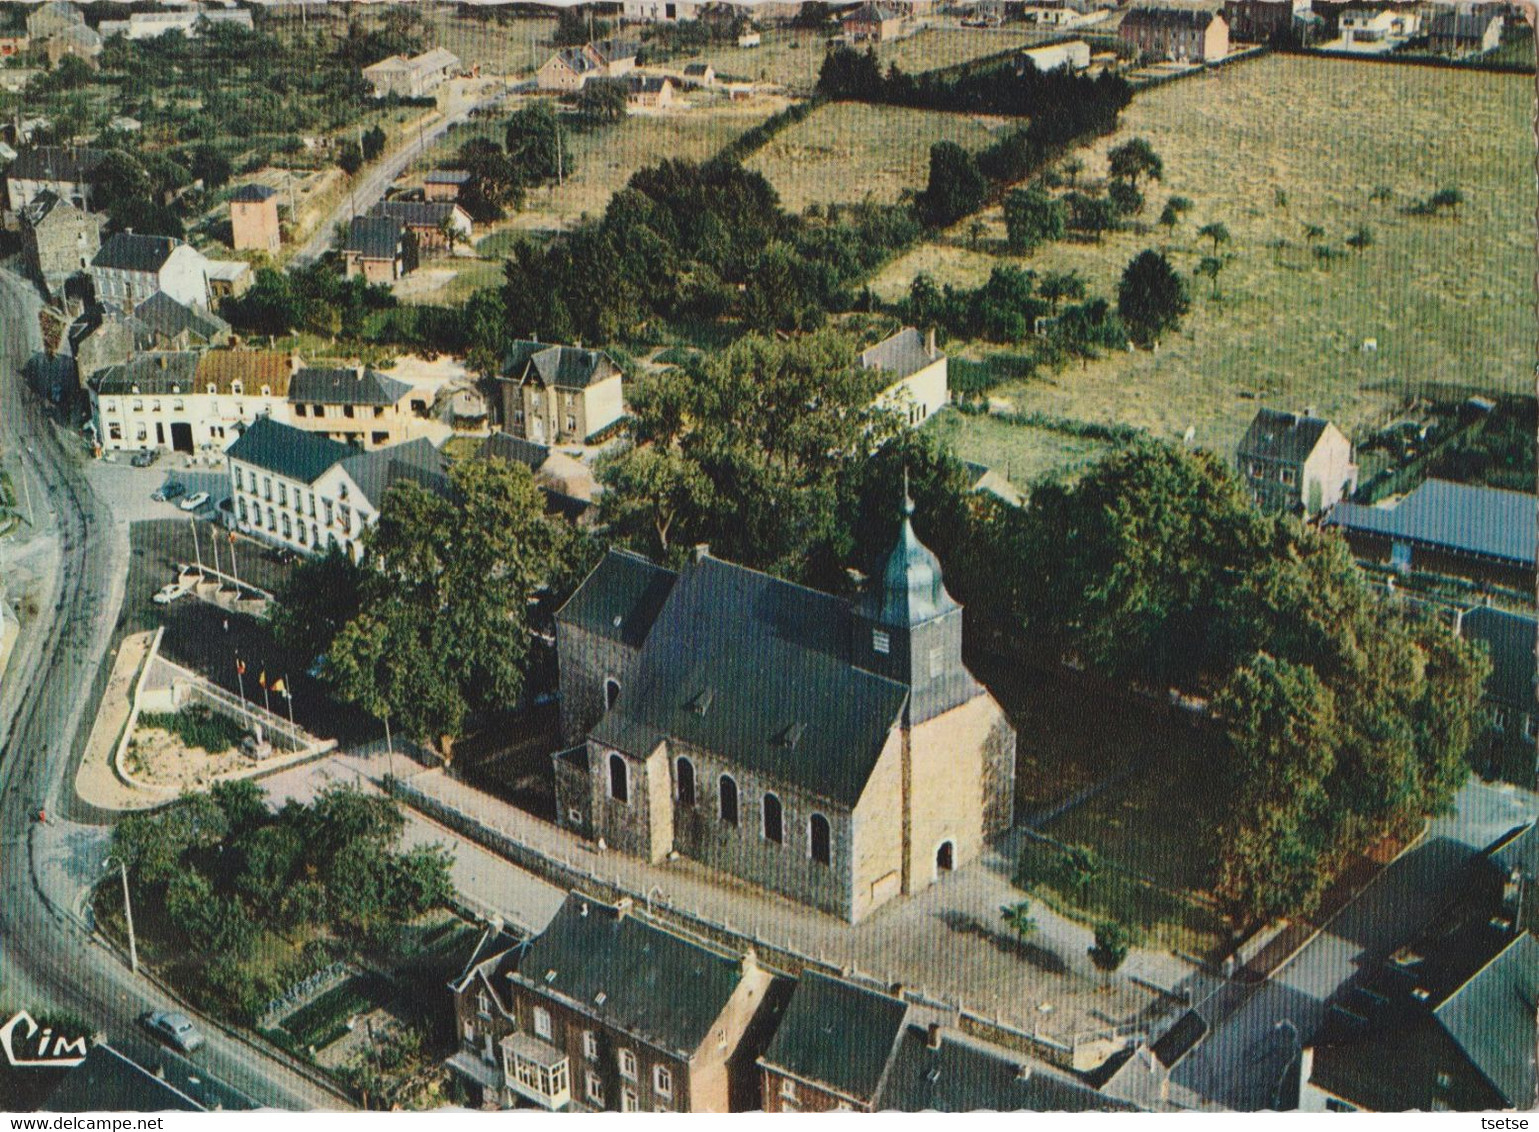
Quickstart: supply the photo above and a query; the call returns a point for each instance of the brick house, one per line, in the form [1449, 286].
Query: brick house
[426, 219]
[352, 404]
[1176, 35]
[130, 267]
[559, 394]
[841, 1047]
[869, 767]
[444, 184]
[567, 70]
[379, 249]
[1263, 21]
[872, 23]
[1297, 463]
[609, 1010]
[917, 373]
[254, 219]
[1510, 745]
[67, 172]
[58, 240]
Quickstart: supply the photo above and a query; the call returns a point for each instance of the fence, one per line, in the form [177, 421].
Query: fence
[779, 956]
[304, 992]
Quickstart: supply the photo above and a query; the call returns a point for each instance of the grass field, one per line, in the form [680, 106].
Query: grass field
[1449, 300]
[1023, 455]
[849, 151]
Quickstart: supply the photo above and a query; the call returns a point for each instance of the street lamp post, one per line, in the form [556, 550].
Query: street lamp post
[128, 912]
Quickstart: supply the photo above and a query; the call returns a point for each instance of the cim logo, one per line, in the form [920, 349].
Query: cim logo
[49, 1051]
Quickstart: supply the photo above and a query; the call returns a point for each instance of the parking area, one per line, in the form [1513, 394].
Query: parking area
[128, 490]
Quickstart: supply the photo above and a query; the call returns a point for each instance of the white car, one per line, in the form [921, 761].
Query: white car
[169, 593]
[194, 502]
[177, 1029]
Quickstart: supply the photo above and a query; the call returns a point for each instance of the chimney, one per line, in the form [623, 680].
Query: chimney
[128, 231]
[750, 964]
[929, 342]
[162, 361]
[933, 1036]
[583, 910]
[358, 371]
[623, 907]
[1309, 411]
[702, 551]
[296, 363]
[1023, 1073]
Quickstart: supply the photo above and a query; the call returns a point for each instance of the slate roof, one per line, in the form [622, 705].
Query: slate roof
[151, 374]
[1467, 24]
[379, 469]
[837, 1035]
[290, 452]
[565, 367]
[1483, 521]
[647, 84]
[1286, 437]
[253, 193]
[578, 60]
[819, 724]
[613, 50]
[344, 385]
[870, 13]
[160, 314]
[1158, 15]
[629, 973]
[1511, 639]
[621, 598]
[416, 213]
[374, 237]
[902, 354]
[434, 59]
[964, 1076]
[107, 1081]
[693, 69]
[514, 449]
[56, 163]
[133, 251]
[446, 177]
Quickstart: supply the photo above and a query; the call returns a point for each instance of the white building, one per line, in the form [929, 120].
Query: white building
[130, 268]
[305, 492]
[149, 25]
[659, 11]
[185, 401]
[1374, 31]
[917, 369]
[1074, 55]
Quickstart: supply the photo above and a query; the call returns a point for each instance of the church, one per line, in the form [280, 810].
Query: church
[837, 752]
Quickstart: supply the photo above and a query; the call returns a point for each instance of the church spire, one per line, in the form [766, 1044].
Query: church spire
[909, 588]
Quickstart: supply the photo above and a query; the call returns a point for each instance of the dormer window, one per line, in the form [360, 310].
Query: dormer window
[212, 389]
[881, 641]
[267, 391]
[237, 387]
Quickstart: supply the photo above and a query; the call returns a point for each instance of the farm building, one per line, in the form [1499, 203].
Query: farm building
[1074, 55]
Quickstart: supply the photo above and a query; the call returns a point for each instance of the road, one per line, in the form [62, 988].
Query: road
[377, 178]
[1260, 1029]
[49, 957]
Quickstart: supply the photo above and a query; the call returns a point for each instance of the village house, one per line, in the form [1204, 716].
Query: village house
[415, 77]
[379, 249]
[1460, 30]
[185, 401]
[427, 221]
[307, 493]
[58, 240]
[649, 92]
[1175, 35]
[700, 74]
[1374, 31]
[842, 1047]
[79, 41]
[872, 23]
[444, 184]
[915, 371]
[151, 25]
[254, 219]
[559, 394]
[228, 279]
[568, 70]
[872, 765]
[1510, 747]
[569, 485]
[1263, 21]
[1296, 463]
[162, 323]
[659, 11]
[66, 172]
[51, 17]
[1479, 533]
[129, 268]
[610, 1010]
[11, 45]
[353, 404]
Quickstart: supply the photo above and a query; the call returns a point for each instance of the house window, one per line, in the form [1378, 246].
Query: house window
[880, 641]
[237, 478]
[283, 494]
[662, 1081]
[818, 839]
[542, 1021]
[241, 503]
[1499, 719]
[1288, 476]
[594, 1089]
[484, 1004]
[267, 487]
[937, 662]
[728, 798]
[1530, 730]
[788, 1090]
[177, 405]
[571, 424]
[628, 1101]
[141, 434]
[611, 692]
[774, 829]
[347, 411]
[590, 1045]
[684, 781]
[287, 530]
[628, 1064]
[299, 410]
[619, 779]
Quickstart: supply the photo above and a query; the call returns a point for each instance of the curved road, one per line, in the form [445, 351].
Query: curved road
[49, 956]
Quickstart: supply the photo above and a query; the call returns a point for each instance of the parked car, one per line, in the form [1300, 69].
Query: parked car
[174, 1029]
[194, 501]
[169, 593]
[169, 491]
[143, 458]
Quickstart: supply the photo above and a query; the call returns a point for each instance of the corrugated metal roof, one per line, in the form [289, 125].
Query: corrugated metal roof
[1483, 521]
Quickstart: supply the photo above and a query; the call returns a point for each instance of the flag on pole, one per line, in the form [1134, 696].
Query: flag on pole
[240, 666]
[280, 687]
[262, 679]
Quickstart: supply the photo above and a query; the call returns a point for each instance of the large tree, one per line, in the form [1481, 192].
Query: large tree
[1032, 217]
[533, 143]
[1151, 298]
[1134, 159]
[956, 186]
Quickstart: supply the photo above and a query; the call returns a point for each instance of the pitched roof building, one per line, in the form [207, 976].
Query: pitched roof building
[553, 394]
[1464, 29]
[414, 77]
[379, 248]
[1296, 462]
[1176, 35]
[869, 767]
[67, 171]
[1508, 749]
[130, 267]
[916, 372]
[58, 239]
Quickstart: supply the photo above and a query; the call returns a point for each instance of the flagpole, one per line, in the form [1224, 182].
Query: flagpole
[196, 553]
[267, 702]
[288, 694]
[234, 566]
[240, 679]
[214, 542]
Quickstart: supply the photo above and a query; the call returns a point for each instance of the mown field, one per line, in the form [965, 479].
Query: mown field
[1449, 300]
[850, 151]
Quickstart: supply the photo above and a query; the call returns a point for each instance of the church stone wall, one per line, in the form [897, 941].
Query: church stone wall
[629, 826]
[586, 661]
[878, 835]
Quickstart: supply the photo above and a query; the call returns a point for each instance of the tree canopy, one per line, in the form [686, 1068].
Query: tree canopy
[1151, 298]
